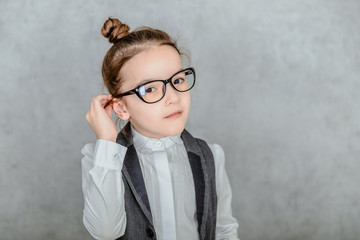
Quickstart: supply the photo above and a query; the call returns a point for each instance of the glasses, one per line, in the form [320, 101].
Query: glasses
[153, 91]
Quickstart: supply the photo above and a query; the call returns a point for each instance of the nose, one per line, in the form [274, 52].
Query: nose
[171, 95]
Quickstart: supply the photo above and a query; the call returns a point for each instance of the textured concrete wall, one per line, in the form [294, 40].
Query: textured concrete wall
[278, 87]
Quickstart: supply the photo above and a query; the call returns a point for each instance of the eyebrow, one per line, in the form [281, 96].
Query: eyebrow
[145, 81]
[149, 80]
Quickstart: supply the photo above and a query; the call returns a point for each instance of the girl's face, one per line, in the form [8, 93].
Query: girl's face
[166, 117]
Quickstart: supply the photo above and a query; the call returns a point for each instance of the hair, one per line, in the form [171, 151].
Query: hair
[125, 46]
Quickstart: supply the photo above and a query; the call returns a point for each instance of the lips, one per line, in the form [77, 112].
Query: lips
[174, 115]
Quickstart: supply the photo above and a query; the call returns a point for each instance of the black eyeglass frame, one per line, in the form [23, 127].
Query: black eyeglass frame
[137, 91]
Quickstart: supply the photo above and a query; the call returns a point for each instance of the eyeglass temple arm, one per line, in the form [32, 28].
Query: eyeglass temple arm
[125, 93]
[119, 96]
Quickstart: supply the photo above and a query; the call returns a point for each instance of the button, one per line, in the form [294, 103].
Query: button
[150, 233]
[117, 156]
[158, 144]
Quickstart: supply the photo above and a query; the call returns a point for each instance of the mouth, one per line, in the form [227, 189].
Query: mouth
[174, 115]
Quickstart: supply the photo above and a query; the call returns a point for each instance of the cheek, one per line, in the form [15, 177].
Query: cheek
[145, 112]
[187, 99]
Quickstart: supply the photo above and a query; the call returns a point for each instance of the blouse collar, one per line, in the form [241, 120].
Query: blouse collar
[142, 142]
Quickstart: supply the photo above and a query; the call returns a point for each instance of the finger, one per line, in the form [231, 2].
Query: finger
[105, 102]
[93, 104]
[109, 109]
[103, 99]
[99, 101]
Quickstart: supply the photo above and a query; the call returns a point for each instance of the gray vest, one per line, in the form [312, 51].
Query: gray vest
[138, 215]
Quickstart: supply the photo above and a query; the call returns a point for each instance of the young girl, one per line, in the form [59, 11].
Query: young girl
[153, 180]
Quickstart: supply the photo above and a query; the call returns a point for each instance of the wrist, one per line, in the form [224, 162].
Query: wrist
[108, 138]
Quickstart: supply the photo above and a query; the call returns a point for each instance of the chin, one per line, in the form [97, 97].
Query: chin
[175, 131]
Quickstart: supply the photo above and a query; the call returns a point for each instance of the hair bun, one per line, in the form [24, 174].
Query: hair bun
[113, 29]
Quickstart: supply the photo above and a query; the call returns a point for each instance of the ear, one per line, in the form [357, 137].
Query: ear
[120, 109]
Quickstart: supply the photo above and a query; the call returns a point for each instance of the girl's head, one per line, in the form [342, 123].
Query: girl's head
[136, 58]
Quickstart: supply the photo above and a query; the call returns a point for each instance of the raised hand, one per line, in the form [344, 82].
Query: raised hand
[100, 118]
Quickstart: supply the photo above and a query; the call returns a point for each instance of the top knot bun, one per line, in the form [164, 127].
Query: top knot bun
[113, 29]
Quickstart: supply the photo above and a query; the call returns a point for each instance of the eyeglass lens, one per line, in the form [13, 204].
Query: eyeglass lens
[155, 90]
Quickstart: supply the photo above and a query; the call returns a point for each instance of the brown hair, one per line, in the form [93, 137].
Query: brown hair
[125, 46]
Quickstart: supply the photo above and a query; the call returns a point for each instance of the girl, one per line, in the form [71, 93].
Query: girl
[153, 180]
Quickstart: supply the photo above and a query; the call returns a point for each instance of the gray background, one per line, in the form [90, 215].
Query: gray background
[278, 87]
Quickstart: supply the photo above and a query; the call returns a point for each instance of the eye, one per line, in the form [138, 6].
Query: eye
[150, 90]
[147, 89]
[178, 81]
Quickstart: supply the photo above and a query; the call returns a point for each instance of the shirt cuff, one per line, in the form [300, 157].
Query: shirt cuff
[109, 154]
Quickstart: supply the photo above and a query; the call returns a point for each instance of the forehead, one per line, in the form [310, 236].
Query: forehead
[154, 63]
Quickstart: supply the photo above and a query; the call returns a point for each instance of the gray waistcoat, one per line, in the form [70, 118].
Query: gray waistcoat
[138, 215]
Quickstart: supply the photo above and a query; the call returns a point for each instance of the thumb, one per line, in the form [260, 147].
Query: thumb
[109, 109]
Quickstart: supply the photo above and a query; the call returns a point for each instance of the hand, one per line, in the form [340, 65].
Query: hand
[100, 118]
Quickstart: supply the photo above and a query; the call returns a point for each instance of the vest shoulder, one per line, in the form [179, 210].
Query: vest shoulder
[202, 141]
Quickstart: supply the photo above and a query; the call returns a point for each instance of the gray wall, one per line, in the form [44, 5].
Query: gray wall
[278, 88]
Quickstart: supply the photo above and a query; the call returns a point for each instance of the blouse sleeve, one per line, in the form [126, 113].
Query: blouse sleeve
[226, 224]
[103, 188]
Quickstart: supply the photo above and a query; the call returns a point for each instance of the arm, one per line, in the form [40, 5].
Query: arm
[226, 224]
[104, 210]
[103, 188]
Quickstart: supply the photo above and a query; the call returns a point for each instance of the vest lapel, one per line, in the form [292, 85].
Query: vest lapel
[133, 175]
[201, 179]
[132, 172]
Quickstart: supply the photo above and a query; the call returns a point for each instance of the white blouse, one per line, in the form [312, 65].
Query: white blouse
[169, 184]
